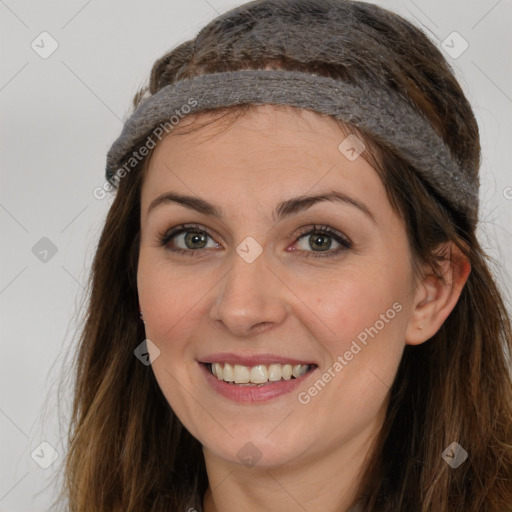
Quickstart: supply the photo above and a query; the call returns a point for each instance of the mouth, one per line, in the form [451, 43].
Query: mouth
[257, 375]
[253, 378]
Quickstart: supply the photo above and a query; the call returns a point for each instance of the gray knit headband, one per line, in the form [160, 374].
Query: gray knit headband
[378, 112]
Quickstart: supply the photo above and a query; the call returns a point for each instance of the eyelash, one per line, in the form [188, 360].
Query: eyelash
[165, 238]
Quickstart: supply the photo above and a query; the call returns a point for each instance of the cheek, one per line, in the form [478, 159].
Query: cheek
[167, 299]
[367, 318]
[171, 303]
[363, 355]
[356, 305]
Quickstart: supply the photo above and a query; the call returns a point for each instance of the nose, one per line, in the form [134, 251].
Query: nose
[250, 297]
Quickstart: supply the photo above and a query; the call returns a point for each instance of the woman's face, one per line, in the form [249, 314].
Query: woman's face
[253, 290]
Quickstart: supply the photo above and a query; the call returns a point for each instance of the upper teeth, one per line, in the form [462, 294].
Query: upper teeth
[258, 374]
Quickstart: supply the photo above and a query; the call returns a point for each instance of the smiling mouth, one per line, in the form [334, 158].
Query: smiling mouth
[258, 375]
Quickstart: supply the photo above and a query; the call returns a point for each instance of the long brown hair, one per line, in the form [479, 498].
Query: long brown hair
[128, 452]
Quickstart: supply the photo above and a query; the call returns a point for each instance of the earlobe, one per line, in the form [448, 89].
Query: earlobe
[435, 298]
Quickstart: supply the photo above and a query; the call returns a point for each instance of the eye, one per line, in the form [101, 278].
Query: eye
[319, 238]
[187, 239]
[191, 239]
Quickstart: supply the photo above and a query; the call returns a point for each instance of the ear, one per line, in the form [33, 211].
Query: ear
[434, 299]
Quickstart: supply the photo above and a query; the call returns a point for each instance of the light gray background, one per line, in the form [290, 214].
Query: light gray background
[59, 116]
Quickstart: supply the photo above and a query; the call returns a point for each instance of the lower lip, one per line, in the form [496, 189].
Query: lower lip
[252, 393]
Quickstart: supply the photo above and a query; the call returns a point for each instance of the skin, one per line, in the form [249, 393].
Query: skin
[283, 303]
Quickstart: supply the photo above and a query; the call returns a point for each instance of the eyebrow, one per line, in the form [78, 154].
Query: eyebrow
[283, 209]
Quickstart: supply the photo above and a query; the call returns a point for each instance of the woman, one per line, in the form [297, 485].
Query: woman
[289, 308]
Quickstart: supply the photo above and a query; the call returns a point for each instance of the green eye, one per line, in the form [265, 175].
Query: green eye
[191, 239]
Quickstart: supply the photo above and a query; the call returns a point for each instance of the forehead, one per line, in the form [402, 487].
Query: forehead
[270, 150]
